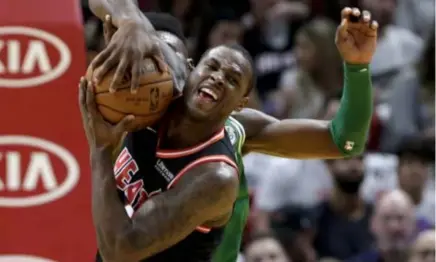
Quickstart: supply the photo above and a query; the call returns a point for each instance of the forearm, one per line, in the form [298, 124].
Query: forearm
[121, 11]
[109, 216]
[349, 128]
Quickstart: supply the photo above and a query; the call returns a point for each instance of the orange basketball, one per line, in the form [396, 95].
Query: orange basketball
[148, 104]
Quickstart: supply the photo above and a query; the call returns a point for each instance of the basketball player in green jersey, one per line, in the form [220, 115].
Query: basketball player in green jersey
[308, 138]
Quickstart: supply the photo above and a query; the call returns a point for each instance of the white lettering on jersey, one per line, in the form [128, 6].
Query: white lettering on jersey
[163, 170]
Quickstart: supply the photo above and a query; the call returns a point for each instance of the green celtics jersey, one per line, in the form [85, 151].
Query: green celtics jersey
[230, 245]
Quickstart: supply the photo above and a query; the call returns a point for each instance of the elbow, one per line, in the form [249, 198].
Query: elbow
[130, 246]
[120, 249]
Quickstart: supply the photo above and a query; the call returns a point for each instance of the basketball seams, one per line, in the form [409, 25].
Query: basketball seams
[127, 86]
[128, 113]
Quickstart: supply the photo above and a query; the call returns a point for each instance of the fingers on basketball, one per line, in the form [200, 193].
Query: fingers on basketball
[119, 74]
[108, 29]
[82, 97]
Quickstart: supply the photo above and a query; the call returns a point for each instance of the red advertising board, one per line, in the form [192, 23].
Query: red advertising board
[45, 209]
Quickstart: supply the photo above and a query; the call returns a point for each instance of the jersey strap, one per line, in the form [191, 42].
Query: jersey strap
[203, 160]
[236, 132]
[191, 150]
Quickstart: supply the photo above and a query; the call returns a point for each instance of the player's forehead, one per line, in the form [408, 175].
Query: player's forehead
[229, 57]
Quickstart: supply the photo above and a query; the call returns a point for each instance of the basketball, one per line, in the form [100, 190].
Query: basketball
[148, 104]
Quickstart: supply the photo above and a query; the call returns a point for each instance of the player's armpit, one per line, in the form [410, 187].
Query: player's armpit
[293, 138]
[202, 194]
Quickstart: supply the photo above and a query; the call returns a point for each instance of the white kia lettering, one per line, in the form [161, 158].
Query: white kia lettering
[23, 258]
[35, 57]
[39, 170]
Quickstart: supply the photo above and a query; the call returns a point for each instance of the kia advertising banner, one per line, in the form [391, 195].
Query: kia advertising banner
[45, 210]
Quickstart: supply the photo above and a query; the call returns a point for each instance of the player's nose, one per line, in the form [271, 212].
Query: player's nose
[217, 78]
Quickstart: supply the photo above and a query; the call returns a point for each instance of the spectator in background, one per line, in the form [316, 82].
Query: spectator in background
[423, 250]
[265, 247]
[303, 91]
[189, 12]
[269, 37]
[219, 27]
[393, 65]
[417, 16]
[411, 105]
[393, 225]
[408, 170]
[415, 157]
[427, 70]
[289, 182]
[343, 221]
[295, 228]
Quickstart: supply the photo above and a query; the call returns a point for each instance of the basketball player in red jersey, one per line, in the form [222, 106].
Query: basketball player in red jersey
[189, 170]
[269, 134]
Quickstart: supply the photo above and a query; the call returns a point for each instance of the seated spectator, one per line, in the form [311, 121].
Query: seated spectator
[415, 157]
[423, 250]
[408, 170]
[412, 103]
[343, 221]
[218, 27]
[264, 247]
[286, 182]
[269, 37]
[295, 227]
[393, 225]
[303, 90]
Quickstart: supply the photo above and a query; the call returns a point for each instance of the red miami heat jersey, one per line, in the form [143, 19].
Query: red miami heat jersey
[142, 170]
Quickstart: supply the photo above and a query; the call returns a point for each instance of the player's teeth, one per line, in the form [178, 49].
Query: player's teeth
[210, 92]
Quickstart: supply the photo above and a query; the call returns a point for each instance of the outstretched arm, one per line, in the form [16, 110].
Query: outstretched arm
[202, 194]
[346, 134]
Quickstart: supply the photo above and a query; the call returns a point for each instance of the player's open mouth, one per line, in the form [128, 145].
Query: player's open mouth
[207, 94]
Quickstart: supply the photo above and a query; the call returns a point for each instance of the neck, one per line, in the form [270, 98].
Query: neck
[184, 131]
[348, 205]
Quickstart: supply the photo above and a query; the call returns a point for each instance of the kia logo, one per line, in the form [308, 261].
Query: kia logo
[34, 171]
[30, 57]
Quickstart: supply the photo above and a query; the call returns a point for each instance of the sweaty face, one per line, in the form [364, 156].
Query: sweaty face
[218, 85]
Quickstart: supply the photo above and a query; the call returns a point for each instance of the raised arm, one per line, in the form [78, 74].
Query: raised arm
[163, 220]
[121, 11]
[346, 134]
[134, 40]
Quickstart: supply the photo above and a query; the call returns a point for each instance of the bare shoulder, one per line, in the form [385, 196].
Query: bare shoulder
[216, 182]
[253, 120]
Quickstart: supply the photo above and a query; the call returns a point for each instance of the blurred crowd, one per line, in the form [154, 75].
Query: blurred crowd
[377, 207]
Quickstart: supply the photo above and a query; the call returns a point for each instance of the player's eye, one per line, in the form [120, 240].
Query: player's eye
[232, 80]
[212, 66]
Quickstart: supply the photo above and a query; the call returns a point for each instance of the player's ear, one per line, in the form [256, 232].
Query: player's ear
[190, 63]
[243, 103]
